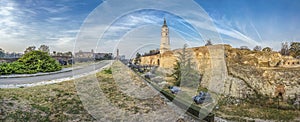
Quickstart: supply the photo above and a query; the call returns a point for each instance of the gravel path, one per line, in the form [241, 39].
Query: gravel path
[123, 96]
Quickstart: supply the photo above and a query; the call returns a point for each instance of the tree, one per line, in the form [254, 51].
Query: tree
[267, 49]
[38, 61]
[295, 49]
[69, 54]
[44, 48]
[59, 54]
[284, 48]
[2, 53]
[137, 58]
[29, 49]
[31, 62]
[244, 48]
[185, 74]
[257, 48]
[208, 42]
[108, 56]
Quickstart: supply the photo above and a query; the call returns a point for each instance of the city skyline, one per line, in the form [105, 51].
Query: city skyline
[56, 23]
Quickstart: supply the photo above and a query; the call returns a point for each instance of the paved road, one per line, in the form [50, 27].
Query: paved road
[29, 80]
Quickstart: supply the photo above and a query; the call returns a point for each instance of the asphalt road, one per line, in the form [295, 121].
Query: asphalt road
[28, 80]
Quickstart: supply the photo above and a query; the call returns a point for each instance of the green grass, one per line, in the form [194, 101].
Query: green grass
[121, 99]
[257, 111]
[260, 112]
[59, 102]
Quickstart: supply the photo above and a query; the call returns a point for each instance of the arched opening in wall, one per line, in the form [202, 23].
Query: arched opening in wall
[293, 63]
[288, 63]
[298, 62]
[158, 62]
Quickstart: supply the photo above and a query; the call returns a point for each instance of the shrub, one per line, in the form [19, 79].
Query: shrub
[107, 71]
[31, 62]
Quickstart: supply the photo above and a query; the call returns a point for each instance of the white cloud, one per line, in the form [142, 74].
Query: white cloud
[54, 10]
[11, 28]
[22, 26]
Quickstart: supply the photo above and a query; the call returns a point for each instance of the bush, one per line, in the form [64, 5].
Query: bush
[107, 71]
[31, 62]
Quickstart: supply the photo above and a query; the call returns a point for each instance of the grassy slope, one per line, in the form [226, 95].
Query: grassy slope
[60, 102]
[56, 102]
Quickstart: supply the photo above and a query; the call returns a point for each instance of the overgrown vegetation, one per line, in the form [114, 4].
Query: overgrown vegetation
[32, 62]
[107, 71]
[295, 49]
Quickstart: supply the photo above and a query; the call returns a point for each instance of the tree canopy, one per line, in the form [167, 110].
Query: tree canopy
[257, 48]
[267, 49]
[295, 49]
[208, 42]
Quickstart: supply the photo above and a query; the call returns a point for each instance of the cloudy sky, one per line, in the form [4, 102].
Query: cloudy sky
[57, 22]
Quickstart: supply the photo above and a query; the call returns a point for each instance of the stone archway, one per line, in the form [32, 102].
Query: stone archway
[158, 62]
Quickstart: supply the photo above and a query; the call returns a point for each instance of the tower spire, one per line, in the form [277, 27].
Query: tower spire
[165, 22]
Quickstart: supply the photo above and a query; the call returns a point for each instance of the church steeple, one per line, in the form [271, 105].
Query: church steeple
[164, 41]
[165, 23]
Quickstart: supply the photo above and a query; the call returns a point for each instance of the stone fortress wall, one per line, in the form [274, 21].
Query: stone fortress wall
[239, 81]
[231, 71]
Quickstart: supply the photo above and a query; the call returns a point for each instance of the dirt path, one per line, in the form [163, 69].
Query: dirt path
[123, 96]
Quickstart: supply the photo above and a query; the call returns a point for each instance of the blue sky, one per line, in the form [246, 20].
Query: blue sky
[56, 23]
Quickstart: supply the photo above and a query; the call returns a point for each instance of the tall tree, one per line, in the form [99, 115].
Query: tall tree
[208, 42]
[69, 54]
[54, 52]
[267, 49]
[185, 74]
[44, 48]
[137, 58]
[295, 49]
[29, 49]
[2, 53]
[284, 48]
[244, 48]
[257, 48]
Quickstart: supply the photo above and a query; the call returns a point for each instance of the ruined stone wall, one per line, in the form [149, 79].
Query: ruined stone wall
[263, 71]
[290, 63]
[168, 60]
[245, 72]
[152, 60]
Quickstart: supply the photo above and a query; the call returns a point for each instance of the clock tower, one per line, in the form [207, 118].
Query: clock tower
[165, 40]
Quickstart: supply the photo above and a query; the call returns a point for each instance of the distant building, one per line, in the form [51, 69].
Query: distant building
[103, 56]
[82, 54]
[13, 55]
[10, 57]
